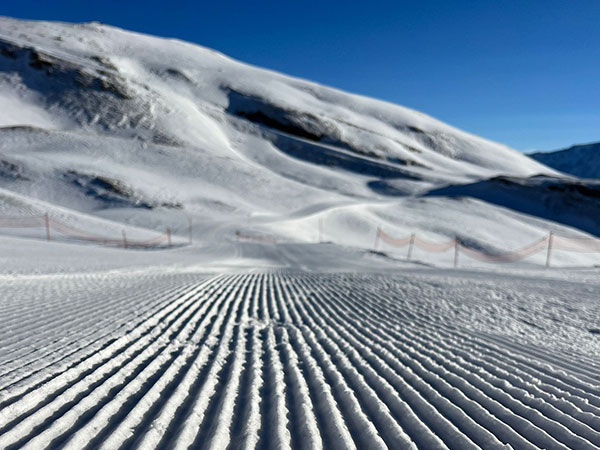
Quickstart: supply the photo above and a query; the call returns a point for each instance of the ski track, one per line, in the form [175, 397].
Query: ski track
[276, 360]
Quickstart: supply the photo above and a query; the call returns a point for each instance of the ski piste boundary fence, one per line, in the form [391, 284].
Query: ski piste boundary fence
[552, 241]
[240, 236]
[548, 243]
[53, 225]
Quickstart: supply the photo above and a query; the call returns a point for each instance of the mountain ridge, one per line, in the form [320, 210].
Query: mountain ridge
[128, 82]
[580, 160]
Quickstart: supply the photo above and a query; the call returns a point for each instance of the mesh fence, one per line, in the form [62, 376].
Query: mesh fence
[546, 243]
[53, 225]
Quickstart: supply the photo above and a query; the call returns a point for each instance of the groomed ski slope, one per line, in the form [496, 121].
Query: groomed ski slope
[280, 359]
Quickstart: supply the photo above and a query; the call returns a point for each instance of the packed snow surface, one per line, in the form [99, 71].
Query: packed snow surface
[277, 358]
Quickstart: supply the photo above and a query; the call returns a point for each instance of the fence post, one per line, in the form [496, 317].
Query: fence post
[411, 244]
[190, 228]
[47, 222]
[124, 238]
[549, 251]
[376, 239]
[169, 236]
[455, 252]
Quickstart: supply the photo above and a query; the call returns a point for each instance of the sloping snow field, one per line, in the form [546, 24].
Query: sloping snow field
[280, 319]
[110, 132]
[420, 358]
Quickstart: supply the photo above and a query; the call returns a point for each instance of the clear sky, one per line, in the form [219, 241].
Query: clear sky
[525, 73]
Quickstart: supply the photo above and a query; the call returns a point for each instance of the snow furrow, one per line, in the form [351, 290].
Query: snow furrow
[410, 357]
[369, 362]
[362, 429]
[79, 347]
[511, 362]
[533, 414]
[278, 360]
[378, 411]
[134, 391]
[90, 389]
[214, 370]
[57, 320]
[215, 431]
[332, 427]
[88, 365]
[150, 416]
[514, 355]
[526, 390]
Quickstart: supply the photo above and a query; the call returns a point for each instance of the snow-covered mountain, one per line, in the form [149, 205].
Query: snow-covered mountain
[105, 81]
[579, 160]
[109, 127]
[571, 202]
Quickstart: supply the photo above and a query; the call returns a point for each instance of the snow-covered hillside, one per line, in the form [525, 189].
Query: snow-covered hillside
[124, 128]
[571, 202]
[111, 82]
[579, 160]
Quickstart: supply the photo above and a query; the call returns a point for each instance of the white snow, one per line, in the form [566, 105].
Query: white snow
[279, 326]
[172, 128]
[177, 357]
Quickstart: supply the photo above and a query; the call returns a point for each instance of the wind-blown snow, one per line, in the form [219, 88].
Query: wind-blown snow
[169, 90]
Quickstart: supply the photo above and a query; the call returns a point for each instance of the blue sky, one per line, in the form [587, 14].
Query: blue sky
[525, 73]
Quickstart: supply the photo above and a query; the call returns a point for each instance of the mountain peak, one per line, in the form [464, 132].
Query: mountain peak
[582, 160]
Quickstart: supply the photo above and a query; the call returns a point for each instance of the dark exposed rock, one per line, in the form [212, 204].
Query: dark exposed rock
[305, 126]
[113, 192]
[12, 170]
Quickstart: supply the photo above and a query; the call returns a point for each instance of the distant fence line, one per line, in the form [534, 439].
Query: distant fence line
[51, 225]
[551, 241]
[255, 237]
[548, 243]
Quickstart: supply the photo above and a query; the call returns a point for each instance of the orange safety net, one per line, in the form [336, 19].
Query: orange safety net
[75, 233]
[263, 239]
[512, 256]
[582, 245]
[436, 247]
[391, 240]
[22, 222]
